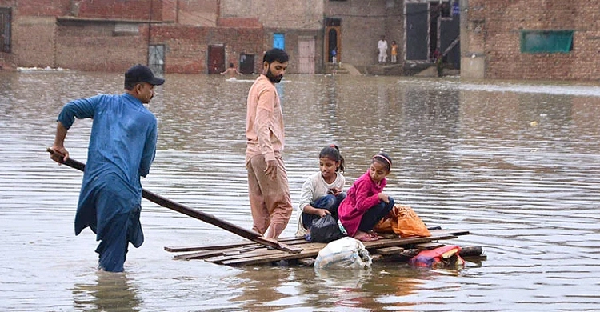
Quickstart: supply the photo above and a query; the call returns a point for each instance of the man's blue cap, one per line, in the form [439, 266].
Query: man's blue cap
[140, 73]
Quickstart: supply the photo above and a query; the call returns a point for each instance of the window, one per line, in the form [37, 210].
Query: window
[279, 41]
[446, 10]
[546, 41]
[5, 30]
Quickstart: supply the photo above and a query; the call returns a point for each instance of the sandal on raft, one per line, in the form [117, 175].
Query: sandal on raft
[367, 238]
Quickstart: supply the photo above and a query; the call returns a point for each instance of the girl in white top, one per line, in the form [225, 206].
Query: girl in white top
[322, 192]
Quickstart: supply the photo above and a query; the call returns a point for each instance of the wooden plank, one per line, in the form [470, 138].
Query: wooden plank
[212, 253]
[393, 250]
[266, 253]
[307, 252]
[252, 253]
[287, 240]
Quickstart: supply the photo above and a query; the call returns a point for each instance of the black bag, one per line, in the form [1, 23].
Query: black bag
[325, 230]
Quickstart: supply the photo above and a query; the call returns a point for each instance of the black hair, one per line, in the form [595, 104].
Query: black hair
[130, 85]
[383, 159]
[333, 152]
[230, 64]
[276, 55]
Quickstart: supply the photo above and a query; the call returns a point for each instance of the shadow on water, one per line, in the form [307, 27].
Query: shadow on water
[516, 163]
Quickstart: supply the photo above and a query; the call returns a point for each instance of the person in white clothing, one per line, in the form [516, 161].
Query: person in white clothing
[322, 192]
[382, 47]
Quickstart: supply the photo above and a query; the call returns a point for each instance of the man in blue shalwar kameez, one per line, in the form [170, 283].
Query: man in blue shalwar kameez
[121, 149]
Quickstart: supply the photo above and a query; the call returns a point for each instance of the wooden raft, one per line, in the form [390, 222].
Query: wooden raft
[251, 253]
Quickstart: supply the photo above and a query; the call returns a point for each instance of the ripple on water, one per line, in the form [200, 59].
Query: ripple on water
[514, 163]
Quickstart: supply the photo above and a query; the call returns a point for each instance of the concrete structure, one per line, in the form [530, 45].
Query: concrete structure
[174, 36]
[494, 39]
[485, 39]
[294, 25]
[355, 26]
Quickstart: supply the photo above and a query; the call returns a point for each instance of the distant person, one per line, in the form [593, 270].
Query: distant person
[121, 149]
[394, 52]
[382, 48]
[334, 56]
[232, 71]
[268, 186]
[365, 203]
[322, 192]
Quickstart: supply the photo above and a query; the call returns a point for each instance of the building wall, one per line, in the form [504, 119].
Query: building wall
[289, 14]
[183, 12]
[188, 46]
[292, 38]
[32, 31]
[34, 41]
[196, 12]
[293, 18]
[89, 35]
[96, 46]
[492, 33]
[363, 23]
[39, 8]
[118, 9]
[111, 35]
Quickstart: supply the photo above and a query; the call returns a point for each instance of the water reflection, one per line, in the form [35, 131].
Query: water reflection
[339, 290]
[366, 290]
[111, 292]
[515, 163]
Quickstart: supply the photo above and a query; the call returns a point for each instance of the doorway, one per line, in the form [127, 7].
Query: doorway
[333, 39]
[306, 55]
[417, 31]
[246, 64]
[216, 59]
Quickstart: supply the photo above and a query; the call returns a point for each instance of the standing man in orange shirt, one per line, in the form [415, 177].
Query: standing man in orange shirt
[268, 186]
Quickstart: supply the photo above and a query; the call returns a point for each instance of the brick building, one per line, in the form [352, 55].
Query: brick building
[174, 36]
[504, 39]
[183, 36]
[531, 39]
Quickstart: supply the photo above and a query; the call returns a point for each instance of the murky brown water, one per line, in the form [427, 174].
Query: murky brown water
[516, 163]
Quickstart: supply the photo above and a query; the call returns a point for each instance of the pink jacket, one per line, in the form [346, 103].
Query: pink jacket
[361, 196]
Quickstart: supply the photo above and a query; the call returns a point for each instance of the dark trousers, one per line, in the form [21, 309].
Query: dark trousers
[374, 215]
[329, 202]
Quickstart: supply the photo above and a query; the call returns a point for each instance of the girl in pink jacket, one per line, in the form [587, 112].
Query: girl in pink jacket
[365, 204]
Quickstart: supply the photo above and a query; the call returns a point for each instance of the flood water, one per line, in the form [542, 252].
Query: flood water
[515, 163]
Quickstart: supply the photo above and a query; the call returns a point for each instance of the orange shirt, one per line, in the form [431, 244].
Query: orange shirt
[264, 121]
[394, 49]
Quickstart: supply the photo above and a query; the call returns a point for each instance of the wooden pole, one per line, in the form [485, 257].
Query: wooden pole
[208, 218]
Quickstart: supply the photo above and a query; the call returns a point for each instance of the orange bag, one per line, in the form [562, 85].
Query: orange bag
[385, 225]
[408, 223]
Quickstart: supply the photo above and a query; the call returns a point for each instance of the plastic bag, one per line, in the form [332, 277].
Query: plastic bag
[343, 253]
[325, 230]
[409, 224]
[385, 225]
[403, 221]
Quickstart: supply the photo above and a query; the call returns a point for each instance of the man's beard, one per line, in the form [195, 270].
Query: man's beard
[273, 78]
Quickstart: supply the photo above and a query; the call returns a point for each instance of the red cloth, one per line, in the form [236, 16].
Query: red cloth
[362, 195]
[434, 258]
